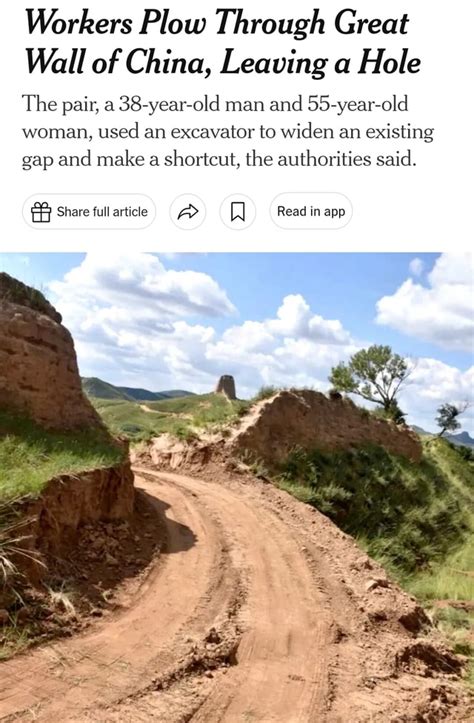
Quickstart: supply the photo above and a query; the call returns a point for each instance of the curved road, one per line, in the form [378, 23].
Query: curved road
[255, 613]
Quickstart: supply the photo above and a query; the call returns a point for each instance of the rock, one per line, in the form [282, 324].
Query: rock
[213, 637]
[415, 619]
[111, 560]
[374, 583]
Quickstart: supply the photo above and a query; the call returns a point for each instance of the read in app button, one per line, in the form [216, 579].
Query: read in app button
[306, 211]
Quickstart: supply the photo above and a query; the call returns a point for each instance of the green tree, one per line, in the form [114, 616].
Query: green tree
[448, 415]
[376, 374]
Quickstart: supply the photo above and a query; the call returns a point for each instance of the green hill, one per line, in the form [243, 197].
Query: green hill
[98, 389]
[463, 438]
[144, 395]
[181, 416]
[409, 515]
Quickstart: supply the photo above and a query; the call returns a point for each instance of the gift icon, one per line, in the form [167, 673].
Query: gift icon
[41, 212]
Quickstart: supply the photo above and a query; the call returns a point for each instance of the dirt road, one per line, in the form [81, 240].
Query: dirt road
[259, 610]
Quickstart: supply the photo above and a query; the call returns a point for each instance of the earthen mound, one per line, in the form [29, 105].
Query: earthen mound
[310, 420]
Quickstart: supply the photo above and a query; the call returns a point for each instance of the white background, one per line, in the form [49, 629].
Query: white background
[424, 208]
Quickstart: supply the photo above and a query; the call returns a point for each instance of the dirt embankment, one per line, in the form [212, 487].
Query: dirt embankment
[274, 427]
[310, 420]
[65, 505]
[39, 378]
[258, 609]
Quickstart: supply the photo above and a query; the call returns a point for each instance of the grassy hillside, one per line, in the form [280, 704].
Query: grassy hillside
[416, 520]
[145, 395]
[408, 515]
[30, 455]
[98, 389]
[181, 416]
[446, 578]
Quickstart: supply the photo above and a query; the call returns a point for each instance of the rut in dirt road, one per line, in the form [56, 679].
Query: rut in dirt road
[259, 610]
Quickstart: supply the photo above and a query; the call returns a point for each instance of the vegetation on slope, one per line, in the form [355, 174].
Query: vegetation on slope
[31, 455]
[99, 389]
[181, 416]
[16, 292]
[416, 520]
[409, 515]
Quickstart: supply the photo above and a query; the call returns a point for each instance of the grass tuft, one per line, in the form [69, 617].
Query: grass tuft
[30, 456]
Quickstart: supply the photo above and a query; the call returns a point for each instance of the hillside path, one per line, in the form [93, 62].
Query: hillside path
[255, 612]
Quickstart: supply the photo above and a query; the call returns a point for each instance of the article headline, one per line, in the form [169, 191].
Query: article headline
[226, 22]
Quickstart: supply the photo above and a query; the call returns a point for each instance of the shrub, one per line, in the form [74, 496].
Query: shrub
[265, 392]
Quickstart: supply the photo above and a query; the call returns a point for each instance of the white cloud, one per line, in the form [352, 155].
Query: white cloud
[416, 267]
[295, 348]
[132, 320]
[295, 319]
[139, 285]
[442, 312]
[433, 383]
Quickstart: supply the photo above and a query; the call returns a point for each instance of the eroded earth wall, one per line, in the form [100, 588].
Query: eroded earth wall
[38, 367]
[310, 420]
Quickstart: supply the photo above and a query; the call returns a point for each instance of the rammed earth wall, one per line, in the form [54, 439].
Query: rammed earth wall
[38, 369]
[310, 420]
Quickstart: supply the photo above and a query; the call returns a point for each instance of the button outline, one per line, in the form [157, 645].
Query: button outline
[40, 227]
[235, 228]
[175, 223]
[312, 228]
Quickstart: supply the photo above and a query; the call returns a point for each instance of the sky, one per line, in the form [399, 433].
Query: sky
[180, 321]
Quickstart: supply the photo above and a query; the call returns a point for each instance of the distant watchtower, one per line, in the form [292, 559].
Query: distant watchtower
[226, 385]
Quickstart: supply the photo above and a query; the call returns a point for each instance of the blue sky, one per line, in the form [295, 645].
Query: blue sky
[427, 301]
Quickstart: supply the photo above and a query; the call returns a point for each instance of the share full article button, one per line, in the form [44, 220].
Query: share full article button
[83, 211]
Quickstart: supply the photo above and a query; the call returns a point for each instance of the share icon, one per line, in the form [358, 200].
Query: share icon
[188, 212]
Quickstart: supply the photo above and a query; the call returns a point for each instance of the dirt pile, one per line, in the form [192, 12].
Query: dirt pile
[167, 452]
[38, 367]
[310, 420]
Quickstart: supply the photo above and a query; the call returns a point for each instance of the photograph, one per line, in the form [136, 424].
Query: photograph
[228, 470]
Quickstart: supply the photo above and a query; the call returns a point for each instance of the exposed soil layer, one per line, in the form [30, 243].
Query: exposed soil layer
[77, 589]
[257, 609]
[310, 420]
[68, 502]
[39, 376]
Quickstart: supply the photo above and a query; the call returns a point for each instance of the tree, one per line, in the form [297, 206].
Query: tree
[376, 374]
[448, 415]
